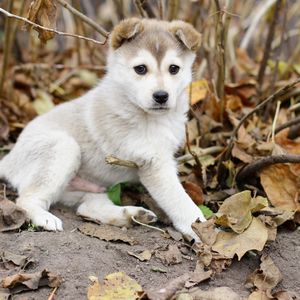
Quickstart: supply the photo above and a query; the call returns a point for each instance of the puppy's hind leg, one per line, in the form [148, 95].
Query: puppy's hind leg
[50, 173]
[99, 207]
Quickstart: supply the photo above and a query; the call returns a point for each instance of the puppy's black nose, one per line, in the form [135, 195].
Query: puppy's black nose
[160, 97]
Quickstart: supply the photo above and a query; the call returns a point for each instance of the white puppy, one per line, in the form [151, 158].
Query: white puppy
[136, 113]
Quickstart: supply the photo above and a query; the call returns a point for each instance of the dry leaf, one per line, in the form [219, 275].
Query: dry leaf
[194, 191]
[231, 243]
[11, 216]
[106, 233]
[23, 281]
[236, 211]
[9, 259]
[219, 293]
[206, 231]
[43, 12]
[286, 295]
[198, 275]
[239, 153]
[142, 256]
[266, 278]
[281, 186]
[116, 286]
[172, 256]
[198, 91]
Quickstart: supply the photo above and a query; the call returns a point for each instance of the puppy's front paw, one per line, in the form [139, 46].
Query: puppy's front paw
[47, 221]
[141, 214]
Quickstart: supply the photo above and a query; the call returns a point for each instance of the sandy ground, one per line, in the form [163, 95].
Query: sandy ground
[75, 257]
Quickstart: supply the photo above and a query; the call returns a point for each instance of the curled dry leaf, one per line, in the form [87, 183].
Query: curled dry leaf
[236, 211]
[171, 256]
[281, 186]
[43, 12]
[266, 278]
[115, 286]
[194, 191]
[106, 233]
[198, 275]
[11, 216]
[231, 243]
[23, 281]
[9, 259]
[206, 231]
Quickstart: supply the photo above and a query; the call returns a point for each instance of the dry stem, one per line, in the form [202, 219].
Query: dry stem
[120, 162]
[84, 18]
[9, 15]
[250, 170]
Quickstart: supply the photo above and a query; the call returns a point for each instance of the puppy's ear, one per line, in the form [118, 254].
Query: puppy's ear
[125, 30]
[186, 34]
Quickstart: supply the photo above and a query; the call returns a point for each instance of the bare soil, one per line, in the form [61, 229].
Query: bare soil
[75, 257]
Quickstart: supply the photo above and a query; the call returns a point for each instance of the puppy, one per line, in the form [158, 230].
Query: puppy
[137, 113]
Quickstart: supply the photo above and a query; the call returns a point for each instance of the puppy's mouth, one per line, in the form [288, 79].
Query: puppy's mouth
[159, 108]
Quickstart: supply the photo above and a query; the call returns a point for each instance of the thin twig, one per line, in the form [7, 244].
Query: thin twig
[9, 15]
[281, 92]
[275, 121]
[287, 124]
[250, 170]
[147, 225]
[51, 296]
[112, 160]
[7, 47]
[172, 9]
[267, 51]
[84, 18]
[144, 7]
[161, 9]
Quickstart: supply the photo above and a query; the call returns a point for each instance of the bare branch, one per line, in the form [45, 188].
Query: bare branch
[84, 18]
[287, 124]
[250, 170]
[9, 15]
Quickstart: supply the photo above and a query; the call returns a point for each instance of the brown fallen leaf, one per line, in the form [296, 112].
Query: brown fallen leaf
[171, 256]
[198, 275]
[106, 233]
[142, 256]
[241, 154]
[9, 259]
[281, 186]
[259, 295]
[219, 293]
[231, 243]
[206, 231]
[42, 12]
[25, 281]
[194, 191]
[236, 211]
[115, 286]
[266, 278]
[11, 216]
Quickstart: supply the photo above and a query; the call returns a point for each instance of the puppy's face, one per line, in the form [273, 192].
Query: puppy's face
[152, 61]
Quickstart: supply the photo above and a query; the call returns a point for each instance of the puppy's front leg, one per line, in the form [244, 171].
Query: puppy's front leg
[161, 180]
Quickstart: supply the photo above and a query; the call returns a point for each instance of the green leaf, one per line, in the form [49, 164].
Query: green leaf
[207, 212]
[114, 194]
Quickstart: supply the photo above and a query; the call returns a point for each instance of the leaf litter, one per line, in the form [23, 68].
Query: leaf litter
[245, 221]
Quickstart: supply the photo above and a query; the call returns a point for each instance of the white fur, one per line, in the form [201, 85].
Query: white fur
[115, 118]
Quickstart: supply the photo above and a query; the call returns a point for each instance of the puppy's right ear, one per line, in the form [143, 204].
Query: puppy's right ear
[125, 30]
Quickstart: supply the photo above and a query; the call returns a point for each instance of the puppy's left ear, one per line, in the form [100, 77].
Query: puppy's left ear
[186, 34]
[125, 30]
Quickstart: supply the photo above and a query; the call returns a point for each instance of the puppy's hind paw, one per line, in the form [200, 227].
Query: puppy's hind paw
[47, 221]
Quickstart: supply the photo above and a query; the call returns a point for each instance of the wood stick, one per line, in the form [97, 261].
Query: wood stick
[9, 15]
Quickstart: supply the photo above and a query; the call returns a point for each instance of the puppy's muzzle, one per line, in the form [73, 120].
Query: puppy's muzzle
[160, 97]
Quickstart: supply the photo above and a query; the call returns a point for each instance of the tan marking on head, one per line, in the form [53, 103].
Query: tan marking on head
[125, 30]
[187, 34]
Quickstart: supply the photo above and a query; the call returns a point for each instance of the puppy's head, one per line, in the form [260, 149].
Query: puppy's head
[152, 61]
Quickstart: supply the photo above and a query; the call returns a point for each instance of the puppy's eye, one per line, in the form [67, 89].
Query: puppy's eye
[173, 69]
[141, 69]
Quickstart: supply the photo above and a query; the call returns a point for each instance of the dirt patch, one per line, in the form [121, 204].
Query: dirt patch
[75, 257]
